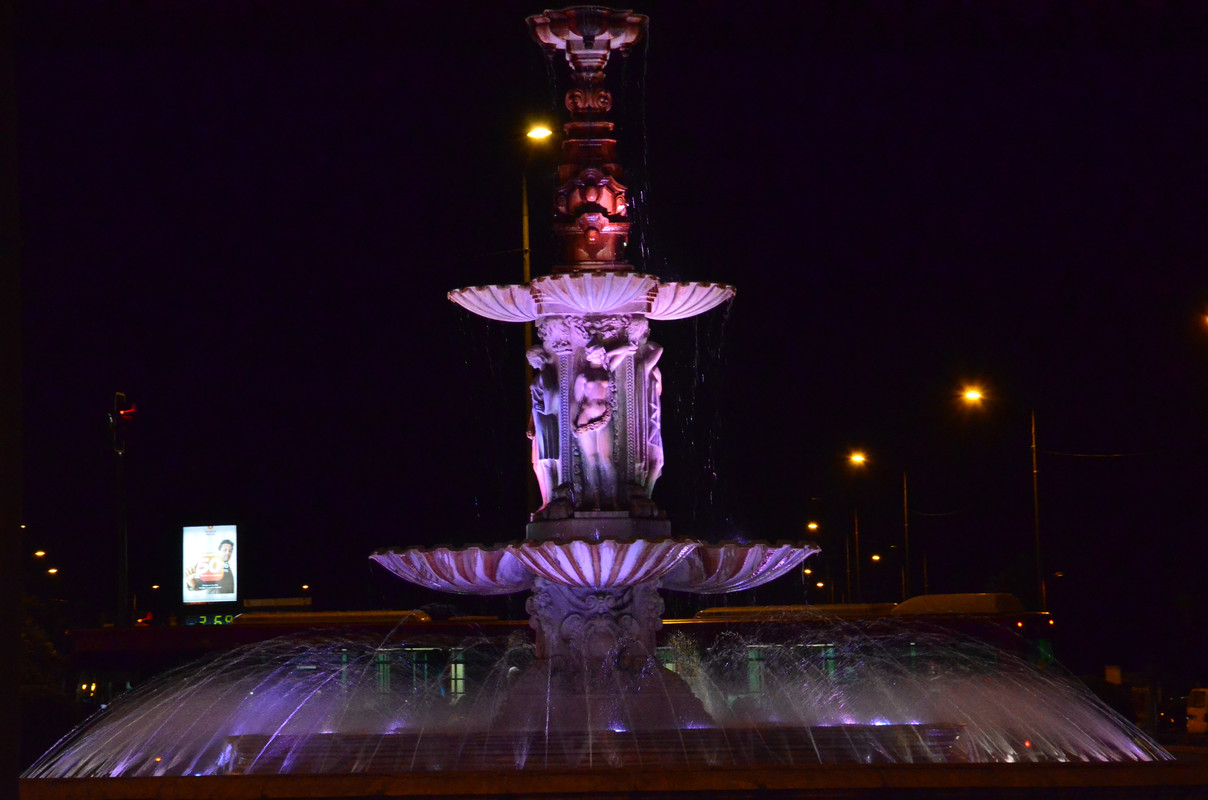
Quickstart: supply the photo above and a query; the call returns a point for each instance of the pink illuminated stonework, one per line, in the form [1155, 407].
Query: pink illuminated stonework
[598, 549]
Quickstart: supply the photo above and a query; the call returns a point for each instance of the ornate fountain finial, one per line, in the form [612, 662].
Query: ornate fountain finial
[591, 212]
[588, 33]
[596, 425]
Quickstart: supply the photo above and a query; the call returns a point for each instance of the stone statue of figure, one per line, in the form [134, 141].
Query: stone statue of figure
[647, 360]
[646, 355]
[543, 424]
[594, 402]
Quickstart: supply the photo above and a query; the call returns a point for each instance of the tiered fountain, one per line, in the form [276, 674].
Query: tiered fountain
[595, 556]
[598, 549]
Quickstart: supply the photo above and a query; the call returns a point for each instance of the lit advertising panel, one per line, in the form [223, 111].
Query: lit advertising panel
[211, 554]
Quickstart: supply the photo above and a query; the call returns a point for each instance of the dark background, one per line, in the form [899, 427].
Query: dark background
[246, 215]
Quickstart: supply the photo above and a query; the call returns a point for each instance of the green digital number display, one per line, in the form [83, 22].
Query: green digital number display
[211, 619]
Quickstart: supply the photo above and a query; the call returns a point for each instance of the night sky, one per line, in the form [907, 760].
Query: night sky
[246, 215]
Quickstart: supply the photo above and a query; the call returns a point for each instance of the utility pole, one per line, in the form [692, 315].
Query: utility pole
[119, 421]
[905, 540]
[856, 530]
[1040, 586]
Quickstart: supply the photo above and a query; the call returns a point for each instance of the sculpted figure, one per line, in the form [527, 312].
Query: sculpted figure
[543, 424]
[594, 403]
[647, 359]
[649, 465]
[561, 334]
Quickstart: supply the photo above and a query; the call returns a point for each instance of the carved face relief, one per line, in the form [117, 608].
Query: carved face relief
[560, 334]
[605, 327]
[638, 330]
[600, 638]
[591, 191]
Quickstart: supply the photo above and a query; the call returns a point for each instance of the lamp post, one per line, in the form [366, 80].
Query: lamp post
[858, 460]
[119, 422]
[973, 396]
[905, 539]
[1040, 584]
[536, 135]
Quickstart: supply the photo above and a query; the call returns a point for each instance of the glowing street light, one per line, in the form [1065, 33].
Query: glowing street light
[537, 134]
[859, 460]
[973, 397]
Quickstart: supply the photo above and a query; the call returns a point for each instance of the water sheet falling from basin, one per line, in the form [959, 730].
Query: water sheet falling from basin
[840, 694]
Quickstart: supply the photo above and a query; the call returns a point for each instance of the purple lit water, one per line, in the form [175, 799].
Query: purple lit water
[838, 695]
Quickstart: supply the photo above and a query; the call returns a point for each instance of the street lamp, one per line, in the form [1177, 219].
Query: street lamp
[972, 396]
[537, 134]
[120, 421]
[859, 460]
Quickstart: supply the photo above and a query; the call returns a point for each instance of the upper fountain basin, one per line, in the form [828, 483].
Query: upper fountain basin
[608, 564]
[680, 565]
[592, 293]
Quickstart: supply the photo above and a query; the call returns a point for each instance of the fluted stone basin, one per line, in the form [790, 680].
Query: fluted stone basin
[678, 565]
[602, 565]
[592, 293]
[735, 566]
[463, 570]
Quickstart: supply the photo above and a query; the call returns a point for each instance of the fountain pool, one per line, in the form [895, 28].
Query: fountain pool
[842, 692]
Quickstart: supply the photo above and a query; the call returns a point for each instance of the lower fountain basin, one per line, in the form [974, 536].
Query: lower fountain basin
[708, 747]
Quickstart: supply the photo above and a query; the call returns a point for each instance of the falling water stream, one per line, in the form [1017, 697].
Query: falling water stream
[840, 693]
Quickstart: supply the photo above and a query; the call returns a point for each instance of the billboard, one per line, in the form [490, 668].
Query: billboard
[211, 555]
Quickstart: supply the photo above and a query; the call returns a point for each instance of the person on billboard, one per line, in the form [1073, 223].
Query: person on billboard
[215, 576]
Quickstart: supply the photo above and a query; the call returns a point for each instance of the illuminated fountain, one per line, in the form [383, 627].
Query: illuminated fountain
[598, 549]
[592, 691]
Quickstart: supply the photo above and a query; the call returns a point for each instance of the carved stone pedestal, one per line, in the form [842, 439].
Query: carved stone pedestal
[596, 668]
[595, 526]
